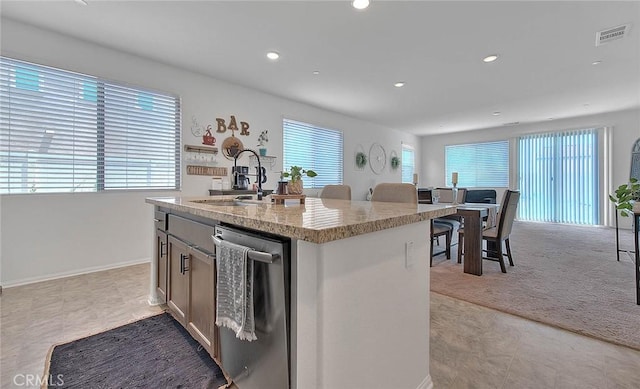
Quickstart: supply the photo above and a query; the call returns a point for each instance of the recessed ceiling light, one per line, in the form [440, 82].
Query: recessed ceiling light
[399, 84]
[496, 113]
[490, 58]
[596, 62]
[273, 55]
[82, 2]
[315, 72]
[360, 4]
[585, 105]
[550, 118]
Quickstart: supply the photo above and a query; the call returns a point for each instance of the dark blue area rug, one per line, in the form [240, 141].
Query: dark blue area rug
[156, 352]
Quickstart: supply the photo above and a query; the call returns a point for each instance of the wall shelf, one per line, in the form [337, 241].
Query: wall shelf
[200, 149]
[266, 161]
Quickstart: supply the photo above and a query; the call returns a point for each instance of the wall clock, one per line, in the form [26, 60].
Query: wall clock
[377, 158]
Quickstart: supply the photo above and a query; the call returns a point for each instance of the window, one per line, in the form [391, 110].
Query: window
[558, 177]
[408, 164]
[315, 148]
[68, 132]
[478, 164]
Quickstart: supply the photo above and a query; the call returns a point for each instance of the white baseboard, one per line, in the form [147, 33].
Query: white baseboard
[31, 280]
[426, 383]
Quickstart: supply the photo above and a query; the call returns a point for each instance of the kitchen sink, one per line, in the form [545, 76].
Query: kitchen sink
[223, 203]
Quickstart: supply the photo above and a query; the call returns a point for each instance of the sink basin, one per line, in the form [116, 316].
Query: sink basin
[223, 203]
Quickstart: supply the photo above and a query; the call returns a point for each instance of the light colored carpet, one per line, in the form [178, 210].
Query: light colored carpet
[566, 276]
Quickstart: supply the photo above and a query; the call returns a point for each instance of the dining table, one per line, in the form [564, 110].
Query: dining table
[473, 215]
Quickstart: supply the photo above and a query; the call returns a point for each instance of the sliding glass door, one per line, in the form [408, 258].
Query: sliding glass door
[559, 177]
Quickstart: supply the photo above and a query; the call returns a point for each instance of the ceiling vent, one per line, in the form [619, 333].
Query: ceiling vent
[611, 34]
[511, 124]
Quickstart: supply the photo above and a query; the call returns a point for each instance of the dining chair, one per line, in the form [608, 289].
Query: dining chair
[395, 193]
[446, 196]
[498, 234]
[339, 192]
[407, 193]
[438, 230]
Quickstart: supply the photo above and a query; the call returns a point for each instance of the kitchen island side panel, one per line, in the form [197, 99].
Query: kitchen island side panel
[362, 314]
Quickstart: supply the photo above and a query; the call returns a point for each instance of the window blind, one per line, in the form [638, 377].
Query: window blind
[68, 132]
[559, 177]
[315, 148]
[478, 164]
[408, 164]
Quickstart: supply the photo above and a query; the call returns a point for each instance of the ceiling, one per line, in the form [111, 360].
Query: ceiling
[544, 70]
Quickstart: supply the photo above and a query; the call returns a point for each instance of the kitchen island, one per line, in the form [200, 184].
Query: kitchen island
[359, 285]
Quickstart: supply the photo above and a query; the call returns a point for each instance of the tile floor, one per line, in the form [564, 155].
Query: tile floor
[471, 346]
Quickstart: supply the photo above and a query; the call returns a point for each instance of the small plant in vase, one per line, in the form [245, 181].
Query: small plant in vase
[262, 139]
[625, 196]
[295, 178]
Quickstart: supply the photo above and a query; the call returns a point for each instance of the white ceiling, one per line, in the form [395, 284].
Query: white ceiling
[544, 71]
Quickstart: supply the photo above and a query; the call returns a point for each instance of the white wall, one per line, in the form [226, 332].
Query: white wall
[625, 130]
[49, 235]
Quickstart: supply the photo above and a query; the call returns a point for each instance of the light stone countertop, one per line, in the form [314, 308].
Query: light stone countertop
[316, 221]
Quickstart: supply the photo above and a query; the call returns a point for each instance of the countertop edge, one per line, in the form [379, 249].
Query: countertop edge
[311, 235]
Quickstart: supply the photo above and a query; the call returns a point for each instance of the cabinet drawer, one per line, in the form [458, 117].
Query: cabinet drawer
[197, 234]
[160, 220]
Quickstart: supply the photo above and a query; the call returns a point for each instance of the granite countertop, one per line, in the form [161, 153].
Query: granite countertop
[316, 221]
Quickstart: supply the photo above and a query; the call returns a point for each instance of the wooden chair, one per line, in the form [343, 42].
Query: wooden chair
[498, 234]
[339, 192]
[407, 193]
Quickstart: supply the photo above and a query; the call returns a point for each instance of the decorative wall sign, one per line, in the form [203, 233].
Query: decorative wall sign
[233, 126]
[377, 158]
[231, 147]
[208, 139]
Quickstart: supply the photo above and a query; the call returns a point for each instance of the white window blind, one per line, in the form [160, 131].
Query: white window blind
[315, 148]
[408, 164]
[69, 132]
[478, 164]
[559, 177]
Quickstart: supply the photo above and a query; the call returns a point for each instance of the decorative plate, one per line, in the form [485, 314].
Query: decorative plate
[231, 146]
[377, 158]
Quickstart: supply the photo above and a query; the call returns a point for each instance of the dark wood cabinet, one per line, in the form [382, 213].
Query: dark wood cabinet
[191, 276]
[201, 313]
[161, 256]
[178, 291]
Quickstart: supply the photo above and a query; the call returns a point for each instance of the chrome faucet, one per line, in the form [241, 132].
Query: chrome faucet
[259, 174]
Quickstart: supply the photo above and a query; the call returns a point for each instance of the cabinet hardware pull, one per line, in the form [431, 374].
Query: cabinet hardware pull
[162, 247]
[252, 254]
[186, 264]
[181, 263]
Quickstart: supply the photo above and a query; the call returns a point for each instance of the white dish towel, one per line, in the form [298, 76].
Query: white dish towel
[234, 297]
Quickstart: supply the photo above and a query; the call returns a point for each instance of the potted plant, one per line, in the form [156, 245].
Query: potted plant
[262, 139]
[625, 196]
[295, 178]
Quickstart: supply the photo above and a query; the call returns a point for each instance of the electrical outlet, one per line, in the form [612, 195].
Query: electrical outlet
[409, 254]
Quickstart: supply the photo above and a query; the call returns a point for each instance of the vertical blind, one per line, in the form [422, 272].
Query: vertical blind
[559, 177]
[315, 148]
[478, 164]
[68, 132]
[408, 164]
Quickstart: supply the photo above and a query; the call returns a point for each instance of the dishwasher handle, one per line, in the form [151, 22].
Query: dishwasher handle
[252, 254]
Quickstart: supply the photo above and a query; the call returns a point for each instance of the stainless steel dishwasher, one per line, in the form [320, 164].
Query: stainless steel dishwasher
[263, 363]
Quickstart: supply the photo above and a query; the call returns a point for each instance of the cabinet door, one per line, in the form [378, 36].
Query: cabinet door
[178, 292]
[161, 255]
[202, 301]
